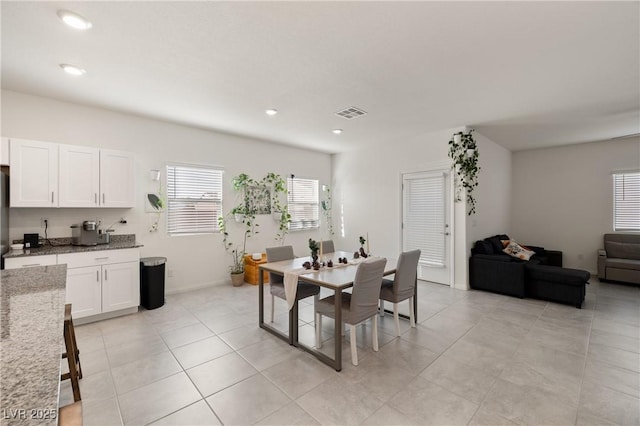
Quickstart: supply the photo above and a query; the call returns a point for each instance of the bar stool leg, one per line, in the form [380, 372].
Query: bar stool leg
[71, 359]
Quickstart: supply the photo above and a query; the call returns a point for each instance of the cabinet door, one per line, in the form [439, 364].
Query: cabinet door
[79, 177]
[34, 173]
[84, 291]
[120, 286]
[4, 152]
[117, 181]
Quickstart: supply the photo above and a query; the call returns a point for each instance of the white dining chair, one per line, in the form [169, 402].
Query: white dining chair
[402, 287]
[357, 306]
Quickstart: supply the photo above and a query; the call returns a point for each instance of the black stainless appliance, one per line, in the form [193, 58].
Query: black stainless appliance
[84, 234]
[4, 216]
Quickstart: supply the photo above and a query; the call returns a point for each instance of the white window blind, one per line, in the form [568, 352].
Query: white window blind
[302, 198]
[194, 199]
[626, 201]
[424, 218]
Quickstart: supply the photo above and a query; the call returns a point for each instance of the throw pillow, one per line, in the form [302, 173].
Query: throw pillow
[516, 250]
[496, 243]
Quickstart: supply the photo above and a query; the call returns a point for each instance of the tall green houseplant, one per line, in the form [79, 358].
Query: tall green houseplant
[463, 150]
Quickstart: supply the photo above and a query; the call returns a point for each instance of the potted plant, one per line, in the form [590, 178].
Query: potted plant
[463, 150]
[237, 268]
[279, 211]
[314, 247]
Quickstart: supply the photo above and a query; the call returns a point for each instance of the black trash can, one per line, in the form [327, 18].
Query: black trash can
[152, 281]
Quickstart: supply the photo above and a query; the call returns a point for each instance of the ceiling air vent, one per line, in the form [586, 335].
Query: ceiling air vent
[350, 113]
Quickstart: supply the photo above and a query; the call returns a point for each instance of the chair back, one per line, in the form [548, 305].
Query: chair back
[405, 277]
[366, 289]
[276, 254]
[328, 247]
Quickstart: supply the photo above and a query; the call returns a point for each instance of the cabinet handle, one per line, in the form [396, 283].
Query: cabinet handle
[95, 197]
[103, 198]
[105, 275]
[51, 197]
[31, 264]
[102, 258]
[98, 276]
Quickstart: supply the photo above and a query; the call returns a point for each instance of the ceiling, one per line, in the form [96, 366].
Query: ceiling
[526, 75]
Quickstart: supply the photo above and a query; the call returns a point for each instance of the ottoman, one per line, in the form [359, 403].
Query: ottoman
[556, 284]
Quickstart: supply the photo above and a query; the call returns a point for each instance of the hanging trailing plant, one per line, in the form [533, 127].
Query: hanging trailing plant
[326, 209]
[463, 150]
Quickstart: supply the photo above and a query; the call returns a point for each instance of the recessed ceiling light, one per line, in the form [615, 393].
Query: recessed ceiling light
[74, 20]
[337, 131]
[72, 69]
[271, 111]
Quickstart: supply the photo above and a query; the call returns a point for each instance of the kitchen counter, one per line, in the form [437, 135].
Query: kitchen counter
[63, 245]
[31, 343]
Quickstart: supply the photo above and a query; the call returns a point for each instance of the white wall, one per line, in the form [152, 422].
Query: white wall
[493, 194]
[367, 194]
[195, 261]
[562, 198]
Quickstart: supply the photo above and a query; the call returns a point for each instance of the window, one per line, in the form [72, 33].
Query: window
[194, 199]
[302, 198]
[626, 201]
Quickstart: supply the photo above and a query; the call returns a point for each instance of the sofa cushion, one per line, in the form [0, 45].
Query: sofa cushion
[483, 247]
[516, 250]
[555, 274]
[622, 250]
[496, 242]
[624, 264]
[496, 257]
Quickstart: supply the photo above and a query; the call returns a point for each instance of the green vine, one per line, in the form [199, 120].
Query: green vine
[463, 150]
[326, 209]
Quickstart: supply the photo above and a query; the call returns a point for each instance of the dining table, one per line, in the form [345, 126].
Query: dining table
[337, 278]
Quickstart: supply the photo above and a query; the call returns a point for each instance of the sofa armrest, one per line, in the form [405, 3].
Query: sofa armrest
[602, 264]
[497, 276]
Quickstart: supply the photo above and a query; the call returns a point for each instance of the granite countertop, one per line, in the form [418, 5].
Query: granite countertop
[63, 245]
[31, 337]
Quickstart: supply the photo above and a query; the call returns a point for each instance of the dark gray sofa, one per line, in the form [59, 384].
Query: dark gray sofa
[620, 259]
[541, 277]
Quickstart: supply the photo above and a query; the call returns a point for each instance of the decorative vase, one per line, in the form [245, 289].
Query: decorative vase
[237, 279]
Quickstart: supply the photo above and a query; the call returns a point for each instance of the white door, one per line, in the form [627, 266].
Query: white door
[117, 179]
[79, 176]
[84, 291]
[425, 220]
[34, 173]
[120, 286]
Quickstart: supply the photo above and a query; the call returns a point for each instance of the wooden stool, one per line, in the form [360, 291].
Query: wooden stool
[72, 354]
[70, 415]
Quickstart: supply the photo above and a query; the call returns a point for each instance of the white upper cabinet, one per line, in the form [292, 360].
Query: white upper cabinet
[79, 176]
[46, 174]
[34, 173]
[117, 178]
[4, 151]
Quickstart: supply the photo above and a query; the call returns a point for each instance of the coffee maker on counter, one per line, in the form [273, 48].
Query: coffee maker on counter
[85, 234]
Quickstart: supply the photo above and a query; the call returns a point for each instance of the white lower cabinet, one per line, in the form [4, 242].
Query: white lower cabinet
[84, 291]
[102, 281]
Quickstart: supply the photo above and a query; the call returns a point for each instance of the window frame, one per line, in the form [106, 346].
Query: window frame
[621, 224]
[217, 202]
[315, 206]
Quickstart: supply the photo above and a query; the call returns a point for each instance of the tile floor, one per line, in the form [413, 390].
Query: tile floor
[475, 358]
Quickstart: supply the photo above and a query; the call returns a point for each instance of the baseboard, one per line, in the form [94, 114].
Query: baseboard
[104, 316]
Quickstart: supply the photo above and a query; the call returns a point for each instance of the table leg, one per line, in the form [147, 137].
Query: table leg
[260, 298]
[415, 300]
[293, 324]
[338, 329]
